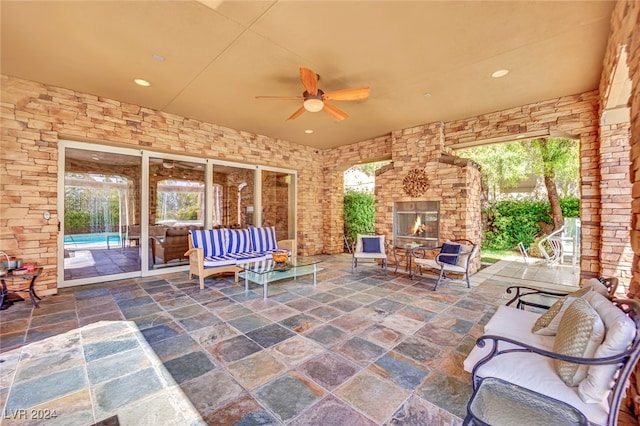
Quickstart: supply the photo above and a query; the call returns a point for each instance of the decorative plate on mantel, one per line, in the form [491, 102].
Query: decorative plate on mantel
[415, 183]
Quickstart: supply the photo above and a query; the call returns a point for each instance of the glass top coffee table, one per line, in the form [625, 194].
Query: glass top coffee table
[265, 271]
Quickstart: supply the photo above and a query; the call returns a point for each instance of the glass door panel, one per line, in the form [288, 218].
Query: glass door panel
[233, 196]
[101, 207]
[278, 203]
[176, 205]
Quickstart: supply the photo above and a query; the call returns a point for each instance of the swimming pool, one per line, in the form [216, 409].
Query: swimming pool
[101, 239]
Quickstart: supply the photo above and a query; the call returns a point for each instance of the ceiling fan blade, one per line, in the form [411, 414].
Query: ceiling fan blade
[296, 114]
[335, 112]
[309, 80]
[280, 98]
[354, 94]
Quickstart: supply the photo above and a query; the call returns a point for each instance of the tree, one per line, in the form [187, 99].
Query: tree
[502, 165]
[554, 159]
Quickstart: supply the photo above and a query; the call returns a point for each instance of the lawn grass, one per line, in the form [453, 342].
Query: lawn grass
[493, 256]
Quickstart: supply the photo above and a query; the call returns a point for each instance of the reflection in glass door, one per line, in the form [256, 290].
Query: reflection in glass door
[278, 203]
[101, 212]
[176, 205]
[233, 196]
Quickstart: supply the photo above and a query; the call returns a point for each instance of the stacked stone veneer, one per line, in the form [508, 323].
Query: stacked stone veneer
[454, 183]
[625, 35]
[36, 116]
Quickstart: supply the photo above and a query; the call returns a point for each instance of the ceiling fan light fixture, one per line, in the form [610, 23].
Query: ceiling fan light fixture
[313, 105]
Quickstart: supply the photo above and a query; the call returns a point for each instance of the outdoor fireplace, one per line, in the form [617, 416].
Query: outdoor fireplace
[416, 222]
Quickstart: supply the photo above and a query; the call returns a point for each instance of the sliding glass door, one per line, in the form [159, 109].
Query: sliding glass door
[127, 213]
[100, 205]
[176, 205]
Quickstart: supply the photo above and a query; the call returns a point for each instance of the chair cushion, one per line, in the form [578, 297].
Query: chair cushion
[238, 241]
[620, 331]
[449, 249]
[263, 239]
[547, 324]
[371, 245]
[213, 241]
[579, 334]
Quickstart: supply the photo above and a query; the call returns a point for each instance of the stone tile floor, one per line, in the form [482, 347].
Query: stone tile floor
[357, 349]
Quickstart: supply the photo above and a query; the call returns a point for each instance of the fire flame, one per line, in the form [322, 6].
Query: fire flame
[417, 226]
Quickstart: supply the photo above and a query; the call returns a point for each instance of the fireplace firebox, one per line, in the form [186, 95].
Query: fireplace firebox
[416, 222]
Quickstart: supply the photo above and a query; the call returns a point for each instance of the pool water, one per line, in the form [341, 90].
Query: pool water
[98, 239]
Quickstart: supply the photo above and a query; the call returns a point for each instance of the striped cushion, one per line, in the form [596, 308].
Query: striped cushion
[213, 241]
[251, 256]
[263, 239]
[216, 261]
[239, 241]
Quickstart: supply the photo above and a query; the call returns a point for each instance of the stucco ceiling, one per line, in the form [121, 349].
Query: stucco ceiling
[218, 55]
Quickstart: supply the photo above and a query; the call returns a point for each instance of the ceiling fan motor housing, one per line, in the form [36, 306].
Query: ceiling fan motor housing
[313, 103]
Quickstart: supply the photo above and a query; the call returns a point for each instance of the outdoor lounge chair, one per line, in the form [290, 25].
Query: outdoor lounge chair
[453, 256]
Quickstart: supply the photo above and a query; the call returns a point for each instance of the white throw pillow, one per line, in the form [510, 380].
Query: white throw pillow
[620, 331]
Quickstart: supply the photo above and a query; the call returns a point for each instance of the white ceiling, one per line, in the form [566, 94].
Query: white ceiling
[220, 54]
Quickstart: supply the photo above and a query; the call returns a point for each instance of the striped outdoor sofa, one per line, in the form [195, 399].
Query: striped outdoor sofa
[217, 251]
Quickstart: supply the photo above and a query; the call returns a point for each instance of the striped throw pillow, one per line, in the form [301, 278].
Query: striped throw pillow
[213, 241]
[239, 241]
[263, 239]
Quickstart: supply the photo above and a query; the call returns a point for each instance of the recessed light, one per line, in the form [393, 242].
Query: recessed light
[157, 57]
[141, 82]
[499, 73]
[308, 131]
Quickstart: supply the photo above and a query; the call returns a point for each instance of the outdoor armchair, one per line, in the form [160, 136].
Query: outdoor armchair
[452, 256]
[372, 247]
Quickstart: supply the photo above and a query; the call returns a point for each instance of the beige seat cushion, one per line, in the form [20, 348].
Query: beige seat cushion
[547, 324]
[580, 333]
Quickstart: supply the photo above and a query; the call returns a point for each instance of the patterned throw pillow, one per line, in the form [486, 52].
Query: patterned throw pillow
[580, 333]
[213, 241]
[547, 324]
[238, 241]
[263, 239]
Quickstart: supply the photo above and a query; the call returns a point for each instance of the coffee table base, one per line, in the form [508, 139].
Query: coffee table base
[265, 278]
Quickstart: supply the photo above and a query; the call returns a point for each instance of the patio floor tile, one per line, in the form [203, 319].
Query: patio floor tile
[242, 411]
[289, 395]
[211, 390]
[189, 366]
[331, 412]
[233, 349]
[256, 369]
[269, 335]
[329, 370]
[357, 349]
[373, 396]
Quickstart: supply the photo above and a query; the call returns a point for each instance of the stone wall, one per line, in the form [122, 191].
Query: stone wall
[455, 183]
[625, 36]
[36, 116]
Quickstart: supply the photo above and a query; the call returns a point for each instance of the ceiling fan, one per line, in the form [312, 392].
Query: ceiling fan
[315, 100]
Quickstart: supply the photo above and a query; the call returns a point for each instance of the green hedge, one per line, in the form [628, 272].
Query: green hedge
[511, 222]
[359, 213]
